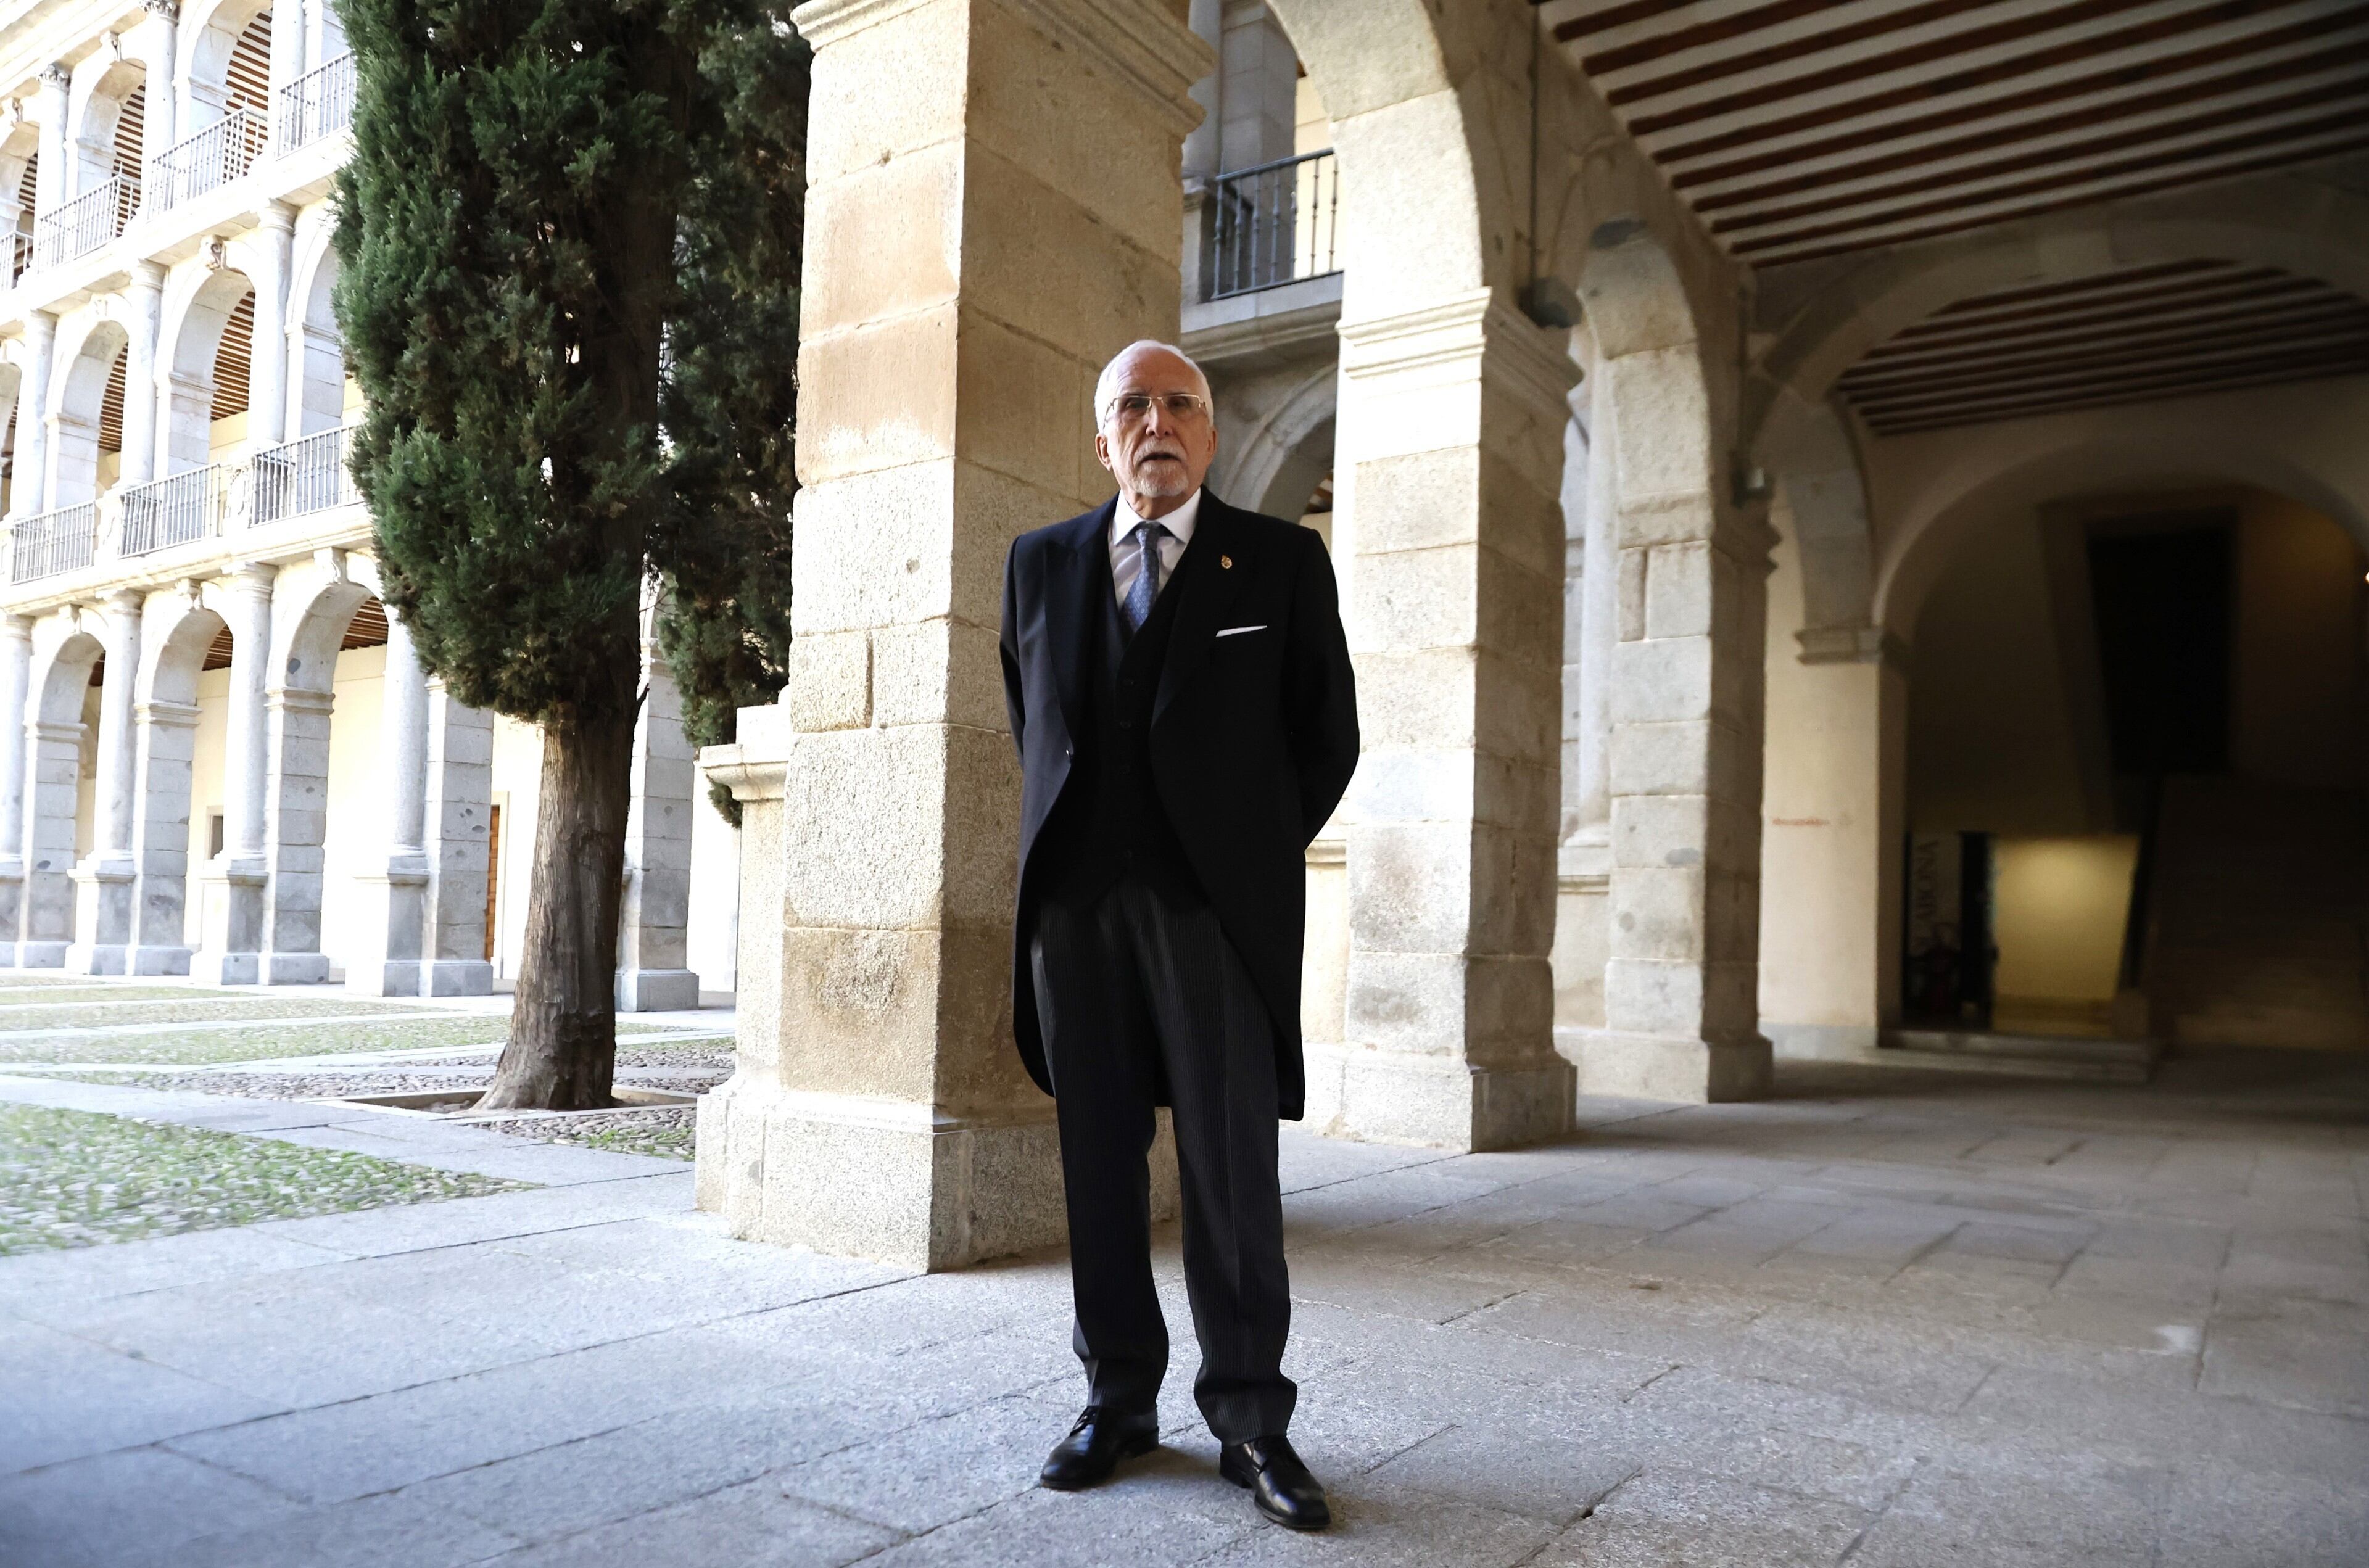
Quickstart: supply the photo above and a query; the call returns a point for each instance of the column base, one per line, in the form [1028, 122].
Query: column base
[41, 955]
[160, 961]
[656, 990]
[225, 969]
[1687, 1072]
[1435, 1102]
[1823, 1042]
[456, 977]
[98, 959]
[894, 1182]
[394, 976]
[296, 968]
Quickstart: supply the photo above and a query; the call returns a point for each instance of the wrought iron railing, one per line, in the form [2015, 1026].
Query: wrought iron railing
[1275, 224]
[317, 103]
[209, 160]
[87, 222]
[20, 255]
[53, 542]
[305, 476]
[165, 512]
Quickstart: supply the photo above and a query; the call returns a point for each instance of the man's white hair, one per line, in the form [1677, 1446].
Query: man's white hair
[1106, 388]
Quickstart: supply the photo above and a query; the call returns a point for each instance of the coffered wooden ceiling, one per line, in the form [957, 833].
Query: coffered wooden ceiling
[1807, 128]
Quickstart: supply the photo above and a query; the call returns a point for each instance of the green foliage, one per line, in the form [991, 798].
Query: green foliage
[543, 195]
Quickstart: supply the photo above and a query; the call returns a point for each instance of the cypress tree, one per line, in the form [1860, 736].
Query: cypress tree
[568, 236]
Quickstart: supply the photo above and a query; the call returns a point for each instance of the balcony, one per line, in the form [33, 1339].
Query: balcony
[176, 510]
[319, 103]
[1273, 224]
[87, 222]
[308, 475]
[209, 160]
[54, 542]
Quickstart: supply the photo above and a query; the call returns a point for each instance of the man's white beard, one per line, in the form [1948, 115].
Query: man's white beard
[1164, 479]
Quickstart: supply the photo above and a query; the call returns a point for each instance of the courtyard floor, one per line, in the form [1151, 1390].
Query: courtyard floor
[1891, 1317]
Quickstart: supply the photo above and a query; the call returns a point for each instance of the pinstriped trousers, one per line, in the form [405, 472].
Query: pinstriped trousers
[1143, 998]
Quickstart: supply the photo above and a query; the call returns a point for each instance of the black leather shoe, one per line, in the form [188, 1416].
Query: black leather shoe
[1279, 1483]
[1095, 1445]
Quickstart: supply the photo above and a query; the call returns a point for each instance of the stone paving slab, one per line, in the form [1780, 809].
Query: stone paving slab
[1952, 1323]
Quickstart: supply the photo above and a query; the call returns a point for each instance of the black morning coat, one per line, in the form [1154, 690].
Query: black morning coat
[1253, 735]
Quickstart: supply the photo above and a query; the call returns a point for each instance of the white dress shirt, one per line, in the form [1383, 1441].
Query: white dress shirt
[1127, 556]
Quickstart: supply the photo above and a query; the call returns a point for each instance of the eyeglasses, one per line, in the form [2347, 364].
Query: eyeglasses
[1132, 406]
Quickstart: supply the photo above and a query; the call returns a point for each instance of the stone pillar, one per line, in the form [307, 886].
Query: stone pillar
[145, 295]
[31, 460]
[103, 881]
[1453, 419]
[968, 273]
[160, 845]
[653, 971]
[153, 41]
[53, 181]
[231, 931]
[15, 675]
[1681, 1007]
[267, 380]
[1591, 630]
[459, 812]
[388, 962]
[296, 814]
[53, 783]
[1258, 76]
[290, 25]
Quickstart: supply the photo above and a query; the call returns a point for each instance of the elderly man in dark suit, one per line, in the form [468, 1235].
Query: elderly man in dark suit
[1181, 695]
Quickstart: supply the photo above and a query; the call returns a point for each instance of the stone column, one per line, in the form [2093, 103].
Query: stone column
[459, 813]
[653, 969]
[1591, 630]
[1452, 418]
[27, 497]
[15, 675]
[230, 932]
[1681, 1008]
[103, 881]
[145, 295]
[973, 256]
[297, 817]
[1258, 75]
[389, 960]
[289, 26]
[267, 380]
[153, 41]
[160, 843]
[54, 182]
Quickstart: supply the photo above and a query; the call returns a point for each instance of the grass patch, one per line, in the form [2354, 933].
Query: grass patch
[77, 1178]
[214, 1047]
[215, 1010]
[64, 996]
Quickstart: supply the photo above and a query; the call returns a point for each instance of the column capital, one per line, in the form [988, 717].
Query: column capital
[277, 216]
[56, 76]
[1138, 43]
[1852, 644]
[170, 714]
[147, 277]
[17, 628]
[254, 577]
[126, 601]
[168, 9]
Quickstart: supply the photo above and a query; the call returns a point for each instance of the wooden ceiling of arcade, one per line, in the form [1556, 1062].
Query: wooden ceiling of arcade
[1805, 128]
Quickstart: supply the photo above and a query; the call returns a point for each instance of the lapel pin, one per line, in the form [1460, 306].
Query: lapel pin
[1226, 562]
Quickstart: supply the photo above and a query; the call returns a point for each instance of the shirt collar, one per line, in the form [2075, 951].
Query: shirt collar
[1178, 522]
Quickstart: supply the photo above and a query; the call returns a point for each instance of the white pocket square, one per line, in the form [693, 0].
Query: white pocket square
[1238, 631]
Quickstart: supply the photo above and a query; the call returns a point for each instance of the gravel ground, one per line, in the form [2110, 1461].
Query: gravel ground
[664, 1131]
[212, 1009]
[715, 1054]
[410, 1077]
[75, 1179]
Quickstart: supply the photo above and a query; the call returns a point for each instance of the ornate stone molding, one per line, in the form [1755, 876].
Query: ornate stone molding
[172, 715]
[1477, 330]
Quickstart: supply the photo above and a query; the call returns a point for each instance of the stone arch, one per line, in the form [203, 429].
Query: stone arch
[208, 38]
[1813, 459]
[78, 396]
[2292, 440]
[316, 349]
[101, 141]
[197, 315]
[1277, 465]
[179, 636]
[2312, 231]
[64, 656]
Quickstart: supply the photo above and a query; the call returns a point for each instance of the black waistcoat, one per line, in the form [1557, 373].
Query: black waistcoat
[1114, 822]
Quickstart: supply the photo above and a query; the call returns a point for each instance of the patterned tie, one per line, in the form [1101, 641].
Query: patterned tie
[1146, 586]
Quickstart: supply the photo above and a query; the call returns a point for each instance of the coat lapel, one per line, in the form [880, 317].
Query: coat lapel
[1208, 586]
[1081, 569]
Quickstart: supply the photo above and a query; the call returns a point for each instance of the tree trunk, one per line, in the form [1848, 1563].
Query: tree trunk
[563, 1044]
